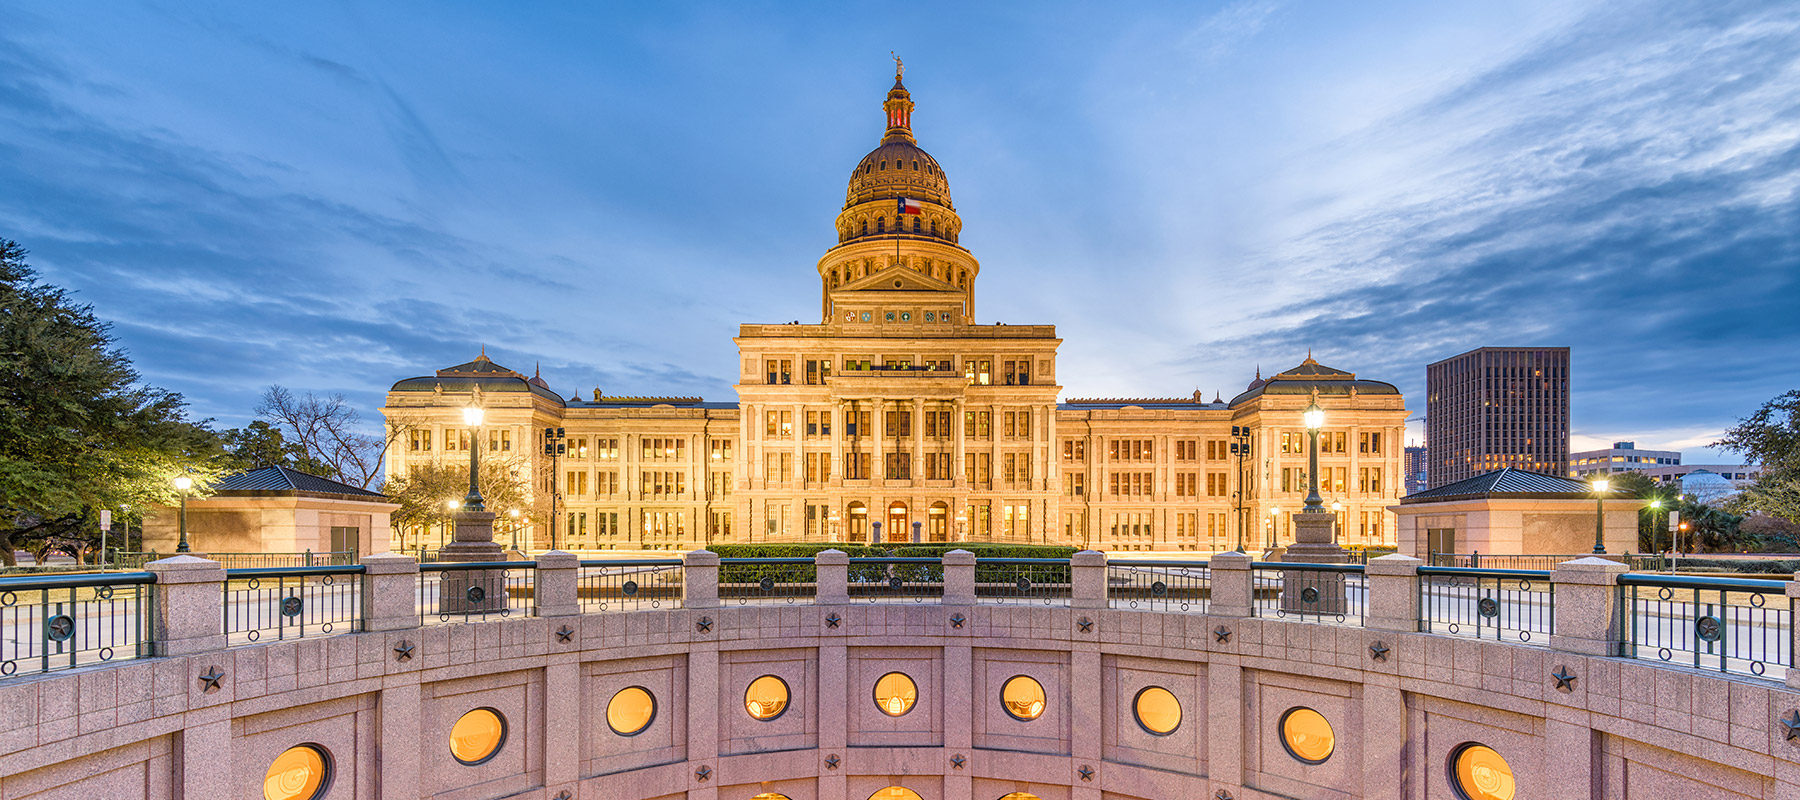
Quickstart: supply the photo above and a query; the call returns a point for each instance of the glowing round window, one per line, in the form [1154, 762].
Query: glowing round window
[1479, 773]
[630, 711]
[771, 796]
[1022, 697]
[896, 793]
[477, 736]
[302, 772]
[1019, 796]
[895, 695]
[1157, 710]
[1306, 735]
[766, 698]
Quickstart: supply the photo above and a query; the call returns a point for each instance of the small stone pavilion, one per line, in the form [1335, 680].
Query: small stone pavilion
[276, 510]
[1512, 512]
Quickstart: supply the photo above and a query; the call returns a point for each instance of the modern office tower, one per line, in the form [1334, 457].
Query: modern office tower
[1621, 457]
[1416, 460]
[1497, 407]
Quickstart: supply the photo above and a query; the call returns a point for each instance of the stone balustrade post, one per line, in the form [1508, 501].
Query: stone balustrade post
[1393, 600]
[190, 605]
[1793, 673]
[959, 578]
[1587, 606]
[556, 587]
[390, 592]
[831, 585]
[1087, 579]
[700, 579]
[1230, 581]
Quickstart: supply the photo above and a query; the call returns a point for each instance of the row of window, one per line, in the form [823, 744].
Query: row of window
[1368, 442]
[420, 441]
[978, 371]
[899, 424]
[1333, 479]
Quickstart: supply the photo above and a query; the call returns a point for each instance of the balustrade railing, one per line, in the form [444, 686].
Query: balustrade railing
[53, 622]
[743, 581]
[1512, 605]
[1023, 581]
[291, 602]
[1737, 625]
[629, 585]
[896, 580]
[1159, 585]
[462, 592]
[1309, 592]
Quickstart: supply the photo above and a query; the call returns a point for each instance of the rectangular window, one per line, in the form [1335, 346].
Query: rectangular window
[899, 424]
[1074, 484]
[899, 466]
[421, 440]
[937, 466]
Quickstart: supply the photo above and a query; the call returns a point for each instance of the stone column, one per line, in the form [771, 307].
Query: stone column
[189, 616]
[390, 592]
[1793, 673]
[1587, 600]
[1230, 585]
[397, 741]
[1393, 601]
[205, 757]
[700, 579]
[1308, 592]
[556, 587]
[1087, 579]
[832, 586]
[959, 578]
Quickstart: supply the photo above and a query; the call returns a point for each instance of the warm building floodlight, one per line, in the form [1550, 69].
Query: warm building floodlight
[472, 416]
[184, 483]
[1314, 417]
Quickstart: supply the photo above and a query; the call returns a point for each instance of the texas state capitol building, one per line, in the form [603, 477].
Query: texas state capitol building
[899, 408]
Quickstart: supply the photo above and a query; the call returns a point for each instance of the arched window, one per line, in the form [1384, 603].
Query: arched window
[915, 224]
[884, 164]
[915, 165]
[881, 225]
[865, 227]
[934, 227]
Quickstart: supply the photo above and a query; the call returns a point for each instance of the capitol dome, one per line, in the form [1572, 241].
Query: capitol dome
[898, 167]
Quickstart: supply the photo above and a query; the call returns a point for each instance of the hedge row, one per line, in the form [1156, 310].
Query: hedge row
[867, 573]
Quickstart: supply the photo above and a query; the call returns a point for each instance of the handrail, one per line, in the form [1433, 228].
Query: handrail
[1005, 560]
[1475, 572]
[1312, 567]
[24, 583]
[1702, 582]
[895, 560]
[1158, 562]
[780, 560]
[293, 572]
[456, 566]
[631, 562]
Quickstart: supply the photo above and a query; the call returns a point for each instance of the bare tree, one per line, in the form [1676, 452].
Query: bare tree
[331, 430]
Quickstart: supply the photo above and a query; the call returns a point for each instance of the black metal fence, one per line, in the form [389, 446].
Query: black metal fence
[1023, 581]
[1159, 585]
[324, 558]
[480, 590]
[896, 580]
[629, 584]
[1513, 605]
[64, 621]
[743, 581]
[292, 602]
[1309, 592]
[1737, 625]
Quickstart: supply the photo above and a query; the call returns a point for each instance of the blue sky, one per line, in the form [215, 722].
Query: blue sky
[334, 196]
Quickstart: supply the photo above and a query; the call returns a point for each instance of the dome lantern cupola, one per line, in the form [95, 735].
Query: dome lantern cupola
[899, 108]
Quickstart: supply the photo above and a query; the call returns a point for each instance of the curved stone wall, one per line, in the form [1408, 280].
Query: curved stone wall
[1399, 704]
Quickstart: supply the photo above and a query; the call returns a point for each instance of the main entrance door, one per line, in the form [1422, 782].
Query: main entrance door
[858, 520]
[937, 523]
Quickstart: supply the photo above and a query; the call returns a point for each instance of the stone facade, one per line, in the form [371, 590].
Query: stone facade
[899, 409]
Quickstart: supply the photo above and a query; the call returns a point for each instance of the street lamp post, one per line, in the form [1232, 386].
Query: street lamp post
[1274, 514]
[514, 513]
[184, 483]
[1600, 516]
[1337, 512]
[1314, 416]
[1240, 447]
[472, 417]
[1655, 509]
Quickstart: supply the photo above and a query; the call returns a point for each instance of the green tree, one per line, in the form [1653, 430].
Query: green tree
[424, 494]
[78, 431]
[260, 444]
[1770, 437]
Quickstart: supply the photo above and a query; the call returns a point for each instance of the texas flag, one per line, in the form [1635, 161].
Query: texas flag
[911, 206]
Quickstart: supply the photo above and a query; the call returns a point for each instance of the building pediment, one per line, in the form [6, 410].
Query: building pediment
[898, 280]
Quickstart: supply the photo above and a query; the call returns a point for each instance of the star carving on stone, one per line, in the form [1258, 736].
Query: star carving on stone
[958, 620]
[958, 761]
[833, 620]
[1086, 625]
[1222, 795]
[705, 624]
[564, 795]
[831, 761]
[703, 773]
[1378, 651]
[1221, 634]
[403, 651]
[212, 679]
[1792, 723]
[1565, 680]
[565, 633]
[1087, 772]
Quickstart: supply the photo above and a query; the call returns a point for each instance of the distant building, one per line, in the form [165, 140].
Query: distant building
[1621, 457]
[1496, 408]
[1414, 462]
